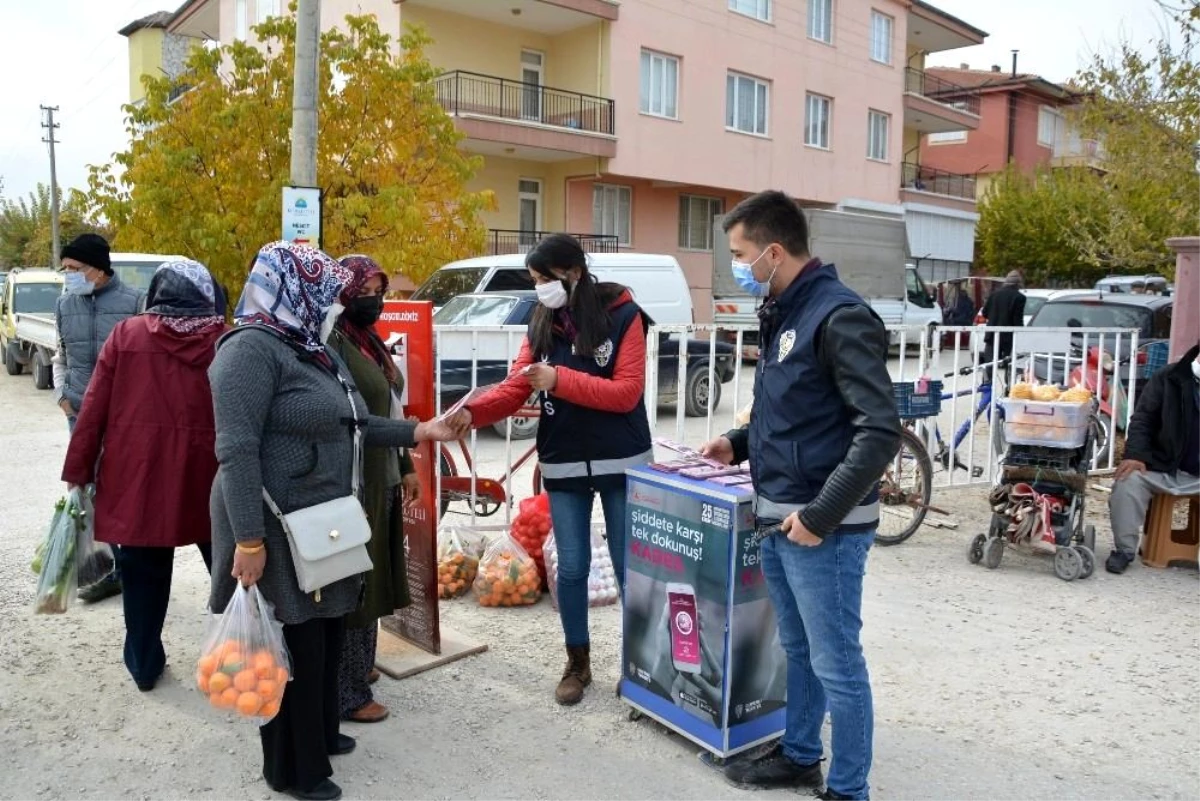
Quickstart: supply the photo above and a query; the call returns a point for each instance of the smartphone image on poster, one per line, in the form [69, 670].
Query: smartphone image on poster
[685, 627]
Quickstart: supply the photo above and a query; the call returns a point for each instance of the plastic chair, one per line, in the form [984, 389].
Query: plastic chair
[1165, 544]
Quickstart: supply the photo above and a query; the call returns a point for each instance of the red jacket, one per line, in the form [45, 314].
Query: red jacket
[145, 435]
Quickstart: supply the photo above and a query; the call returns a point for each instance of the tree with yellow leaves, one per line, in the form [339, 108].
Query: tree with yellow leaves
[210, 155]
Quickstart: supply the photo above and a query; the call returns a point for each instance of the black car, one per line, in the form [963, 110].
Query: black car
[484, 312]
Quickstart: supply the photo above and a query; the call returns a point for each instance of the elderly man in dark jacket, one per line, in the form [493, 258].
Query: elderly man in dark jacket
[1004, 307]
[822, 429]
[1162, 453]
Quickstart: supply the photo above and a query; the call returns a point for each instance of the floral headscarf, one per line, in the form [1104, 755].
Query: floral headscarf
[184, 294]
[290, 289]
[364, 268]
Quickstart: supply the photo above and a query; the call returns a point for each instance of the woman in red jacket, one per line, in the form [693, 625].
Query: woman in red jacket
[145, 438]
[585, 356]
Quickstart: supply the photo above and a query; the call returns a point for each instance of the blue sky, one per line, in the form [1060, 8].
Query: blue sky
[68, 53]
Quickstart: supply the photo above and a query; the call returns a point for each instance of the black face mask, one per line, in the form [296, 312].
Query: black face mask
[364, 312]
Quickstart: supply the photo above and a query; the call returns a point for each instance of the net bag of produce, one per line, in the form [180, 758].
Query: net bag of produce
[602, 577]
[530, 527]
[507, 575]
[459, 550]
[244, 665]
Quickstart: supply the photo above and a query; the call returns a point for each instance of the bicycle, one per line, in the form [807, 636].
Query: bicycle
[487, 494]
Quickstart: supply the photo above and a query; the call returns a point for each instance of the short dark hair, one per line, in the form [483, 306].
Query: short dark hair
[769, 217]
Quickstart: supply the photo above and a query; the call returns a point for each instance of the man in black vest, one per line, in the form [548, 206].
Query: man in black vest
[822, 429]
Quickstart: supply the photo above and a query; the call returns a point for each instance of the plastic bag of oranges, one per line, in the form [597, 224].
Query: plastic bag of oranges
[507, 576]
[458, 561]
[244, 665]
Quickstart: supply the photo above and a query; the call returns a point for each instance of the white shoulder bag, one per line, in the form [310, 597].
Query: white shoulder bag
[329, 541]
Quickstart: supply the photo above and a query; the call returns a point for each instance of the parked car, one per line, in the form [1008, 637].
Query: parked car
[27, 335]
[494, 349]
[1124, 284]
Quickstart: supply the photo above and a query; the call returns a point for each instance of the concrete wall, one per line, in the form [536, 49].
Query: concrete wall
[145, 58]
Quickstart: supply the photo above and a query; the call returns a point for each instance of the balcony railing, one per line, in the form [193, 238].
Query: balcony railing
[462, 92]
[950, 94]
[939, 182]
[501, 241]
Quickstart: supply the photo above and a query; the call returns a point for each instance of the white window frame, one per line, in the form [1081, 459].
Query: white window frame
[266, 9]
[708, 207]
[241, 19]
[946, 138]
[1056, 122]
[873, 139]
[731, 104]
[825, 105]
[536, 197]
[607, 221]
[667, 101]
[754, 9]
[883, 33]
[820, 21]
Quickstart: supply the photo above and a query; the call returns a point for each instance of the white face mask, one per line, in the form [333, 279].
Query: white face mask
[552, 294]
[335, 311]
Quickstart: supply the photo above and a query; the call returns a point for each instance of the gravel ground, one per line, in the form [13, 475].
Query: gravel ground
[988, 684]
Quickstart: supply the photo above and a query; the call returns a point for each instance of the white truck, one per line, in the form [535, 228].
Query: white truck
[27, 335]
[871, 256]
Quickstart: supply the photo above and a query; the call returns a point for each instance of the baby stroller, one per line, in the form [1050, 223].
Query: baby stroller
[1038, 501]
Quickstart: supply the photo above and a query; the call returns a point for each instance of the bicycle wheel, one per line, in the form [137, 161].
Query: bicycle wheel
[904, 491]
[448, 470]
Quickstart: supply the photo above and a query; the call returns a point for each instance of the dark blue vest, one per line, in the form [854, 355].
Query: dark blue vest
[799, 426]
[581, 448]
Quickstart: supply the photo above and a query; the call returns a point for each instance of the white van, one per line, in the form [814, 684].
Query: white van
[657, 281]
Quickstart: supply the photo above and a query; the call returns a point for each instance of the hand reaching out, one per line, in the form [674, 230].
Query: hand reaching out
[720, 449]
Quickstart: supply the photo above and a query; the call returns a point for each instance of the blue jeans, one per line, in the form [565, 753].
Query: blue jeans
[571, 515]
[817, 594]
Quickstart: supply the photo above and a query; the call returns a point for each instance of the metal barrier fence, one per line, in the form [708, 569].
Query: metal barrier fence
[701, 371]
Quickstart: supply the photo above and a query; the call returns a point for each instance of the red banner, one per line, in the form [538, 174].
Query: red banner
[407, 327]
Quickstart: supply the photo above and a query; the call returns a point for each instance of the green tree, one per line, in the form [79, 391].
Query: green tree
[26, 231]
[205, 170]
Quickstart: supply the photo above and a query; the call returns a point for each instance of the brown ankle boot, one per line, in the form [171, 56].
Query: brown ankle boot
[577, 675]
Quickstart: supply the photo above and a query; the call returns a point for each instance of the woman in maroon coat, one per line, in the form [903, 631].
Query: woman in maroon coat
[145, 439]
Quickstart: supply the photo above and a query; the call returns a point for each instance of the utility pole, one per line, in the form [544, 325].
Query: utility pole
[304, 93]
[50, 125]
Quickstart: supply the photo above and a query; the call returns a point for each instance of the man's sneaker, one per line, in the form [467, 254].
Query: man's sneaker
[773, 769]
[106, 587]
[1117, 562]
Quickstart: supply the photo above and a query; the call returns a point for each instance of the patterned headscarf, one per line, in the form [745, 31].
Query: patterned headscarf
[185, 296]
[290, 289]
[364, 268]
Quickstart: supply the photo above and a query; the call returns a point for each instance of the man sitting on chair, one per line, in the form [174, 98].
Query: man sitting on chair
[1162, 453]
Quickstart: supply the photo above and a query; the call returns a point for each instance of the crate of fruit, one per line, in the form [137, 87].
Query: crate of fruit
[1050, 424]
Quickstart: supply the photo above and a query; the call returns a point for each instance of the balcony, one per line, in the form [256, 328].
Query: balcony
[526, 120]
[501, 242]
[921, 184]
[548, 17]
[1076, 152]
[933, 105]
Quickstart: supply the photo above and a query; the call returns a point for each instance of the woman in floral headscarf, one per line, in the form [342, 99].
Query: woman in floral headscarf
[283, 425]
[149, 411]
[388, 481]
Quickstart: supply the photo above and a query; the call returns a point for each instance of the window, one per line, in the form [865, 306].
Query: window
[241, 19]
[881, 38]
[947, 137]
[759, 9]
[611, 211]
[878, 124]
[696, 221]
[529, 210]
[1050, 123]
[820, 20]
[267, 9]
[660, 85]
[746, 102]
[816, 121]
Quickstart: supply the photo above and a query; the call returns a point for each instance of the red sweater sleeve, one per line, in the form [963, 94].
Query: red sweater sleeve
[618, 394]
[88, 437]
[507, 397]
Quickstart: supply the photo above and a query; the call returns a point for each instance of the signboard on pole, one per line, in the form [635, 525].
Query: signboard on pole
[302, 215]
[408, 327]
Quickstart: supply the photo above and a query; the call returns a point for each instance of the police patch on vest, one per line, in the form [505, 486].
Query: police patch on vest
[604, 353]
[786, 341]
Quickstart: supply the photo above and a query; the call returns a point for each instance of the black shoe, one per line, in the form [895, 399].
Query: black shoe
[345, 744]
[773, 769]
[324, 791]
[830, 795]
[1117, 562]
[106, 587]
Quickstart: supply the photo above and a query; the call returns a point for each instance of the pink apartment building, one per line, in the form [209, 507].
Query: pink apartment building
[634, 123]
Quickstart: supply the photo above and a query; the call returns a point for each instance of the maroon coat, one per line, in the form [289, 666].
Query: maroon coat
[145, 435]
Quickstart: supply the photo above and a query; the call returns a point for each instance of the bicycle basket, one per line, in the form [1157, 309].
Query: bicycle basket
[910, 405]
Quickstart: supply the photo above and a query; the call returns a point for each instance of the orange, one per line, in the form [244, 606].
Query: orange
[229, 646]
[215, 699]
[269, 710]
[207, 664]
[202, 682]
[263, 660]
[229, 698]
[232, 659]
[219, 683]
[281, 675]
[245, 681]
[267, 688]
[248, 703]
